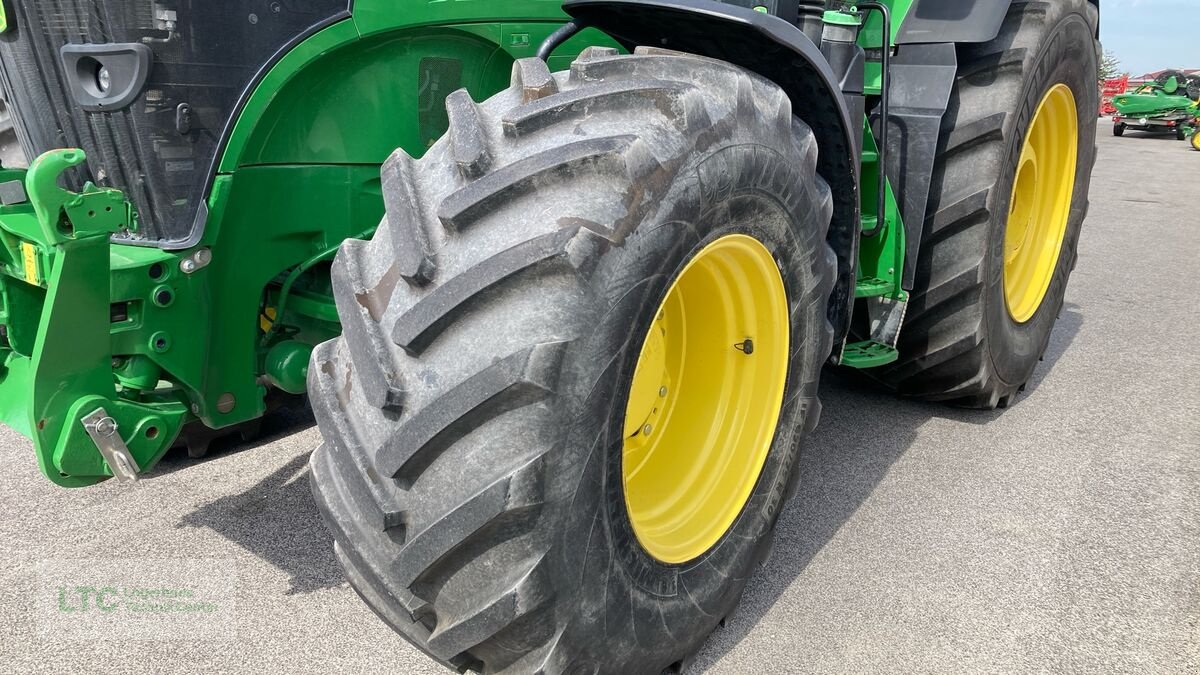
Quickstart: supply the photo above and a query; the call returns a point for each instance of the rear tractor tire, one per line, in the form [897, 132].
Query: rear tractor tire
[1009, 194]
[524, 469]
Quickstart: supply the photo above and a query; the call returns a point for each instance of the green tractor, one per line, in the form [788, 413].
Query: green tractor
[1167, 105]
[559, 280]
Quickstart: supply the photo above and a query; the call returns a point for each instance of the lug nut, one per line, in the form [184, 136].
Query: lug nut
[647, 429]
[662, 391]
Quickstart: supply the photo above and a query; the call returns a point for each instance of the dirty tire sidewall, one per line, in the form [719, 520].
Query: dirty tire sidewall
[675, 607]
[473, 408]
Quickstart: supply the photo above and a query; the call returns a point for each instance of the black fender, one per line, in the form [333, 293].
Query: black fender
[952, 21]
[958, 21]
[780, 52]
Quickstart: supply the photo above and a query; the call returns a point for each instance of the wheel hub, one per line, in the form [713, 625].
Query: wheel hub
[1041, 203]
[703, 408]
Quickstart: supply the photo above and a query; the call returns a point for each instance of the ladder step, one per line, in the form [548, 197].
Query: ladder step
[871, 287]
[868, 354]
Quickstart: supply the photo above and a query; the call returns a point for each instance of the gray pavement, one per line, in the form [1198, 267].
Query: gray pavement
[1060, 535]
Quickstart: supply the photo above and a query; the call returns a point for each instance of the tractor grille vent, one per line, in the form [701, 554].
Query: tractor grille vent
[160, 149]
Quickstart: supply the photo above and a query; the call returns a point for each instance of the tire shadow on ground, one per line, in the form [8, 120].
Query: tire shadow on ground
[276, 519]
[863, 431]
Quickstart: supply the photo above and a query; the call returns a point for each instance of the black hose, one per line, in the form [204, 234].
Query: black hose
[566, 32]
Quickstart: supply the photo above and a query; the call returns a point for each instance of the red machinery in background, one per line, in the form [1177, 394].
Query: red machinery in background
[1111, 88]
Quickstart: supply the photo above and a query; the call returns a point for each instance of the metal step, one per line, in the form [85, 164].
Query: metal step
[871, 287]
[868, 354]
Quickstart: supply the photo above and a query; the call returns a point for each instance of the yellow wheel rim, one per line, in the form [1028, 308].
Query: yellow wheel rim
[1040, 203]
[1196, 140]
[704, 402]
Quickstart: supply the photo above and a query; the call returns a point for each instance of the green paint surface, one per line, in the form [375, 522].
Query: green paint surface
[99, 324]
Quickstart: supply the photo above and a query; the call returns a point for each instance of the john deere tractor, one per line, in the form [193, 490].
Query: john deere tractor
[559, 280]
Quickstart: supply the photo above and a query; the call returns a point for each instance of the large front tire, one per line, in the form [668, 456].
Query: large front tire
[980, 316]
[474, 410]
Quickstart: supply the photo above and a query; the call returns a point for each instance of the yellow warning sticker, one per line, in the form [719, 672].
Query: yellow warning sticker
[29, 253]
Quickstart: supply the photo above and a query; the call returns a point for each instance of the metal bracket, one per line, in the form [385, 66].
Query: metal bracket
[886, 318]
[103, 431]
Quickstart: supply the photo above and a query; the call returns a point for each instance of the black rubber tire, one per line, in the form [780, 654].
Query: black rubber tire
[959, 344]
[472, 411]
[1180, 134]
[1118, 130]
[1193, 87]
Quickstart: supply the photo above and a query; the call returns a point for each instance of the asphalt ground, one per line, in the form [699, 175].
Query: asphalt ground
[1062, 534]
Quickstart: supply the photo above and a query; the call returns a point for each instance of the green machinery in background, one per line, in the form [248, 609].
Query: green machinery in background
[1167, 105]
[559, 279]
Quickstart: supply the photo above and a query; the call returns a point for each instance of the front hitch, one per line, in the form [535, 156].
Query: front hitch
[57, 383]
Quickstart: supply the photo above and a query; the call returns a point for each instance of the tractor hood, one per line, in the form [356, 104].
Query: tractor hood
[148, 89]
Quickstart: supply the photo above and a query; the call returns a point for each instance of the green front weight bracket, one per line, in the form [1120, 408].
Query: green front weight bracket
[57, 384]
